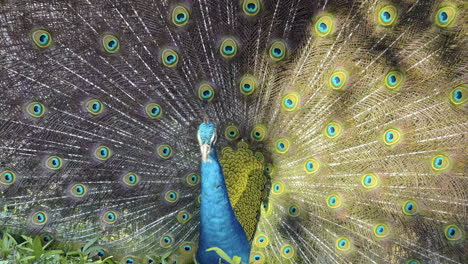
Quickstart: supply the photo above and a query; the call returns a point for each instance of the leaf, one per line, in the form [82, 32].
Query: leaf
[221, 253]
[90, 243]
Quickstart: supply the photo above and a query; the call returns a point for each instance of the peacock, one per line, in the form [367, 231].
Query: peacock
[237, 131]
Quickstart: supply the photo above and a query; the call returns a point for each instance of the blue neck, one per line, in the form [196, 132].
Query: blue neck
[219, 226]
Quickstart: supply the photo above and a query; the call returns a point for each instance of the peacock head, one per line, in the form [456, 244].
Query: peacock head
[206, 138]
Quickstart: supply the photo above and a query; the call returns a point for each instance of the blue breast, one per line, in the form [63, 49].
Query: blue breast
[219, 226]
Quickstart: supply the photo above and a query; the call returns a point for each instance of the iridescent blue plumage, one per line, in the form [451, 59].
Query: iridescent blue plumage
[219, 226]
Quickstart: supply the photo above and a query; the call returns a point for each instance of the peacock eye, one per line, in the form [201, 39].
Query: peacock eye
[277, 50]
[392, 137]
[131, 179]
[153, 110]
[394, 79]
[440, 162]
[282, 145]
[111, 44]
[333, 130]
[103, 153]
[183, 217]
[294, 210]
[381, 230]
[258, 133]
[166, 241]
[35, 109]
[248, 84]
[41, 38]
[180, 15]
[458, 95]
[311, 166]
[334, 201]
[259, 156]
[231, 132]
[7, 177]
[257, 258]
[290, 102]
[410, 207]
[206, 92]
[261, 241]
[453, 232]
[169, 58]
[369, 181]
[54, 162]
[78, 190]
[413, 261]
[445, 16]
[94, 106]
[387, 15]
[46, 238]
[109, 217]
[324, 25]
[39, 218]
[101, 253]
[343, 244]
[251, 7]
[228, 48]
[277, 188]
[165, 151]
[338, 80]
[192, 179]
[128, 260]
[287, 251]
[171, 196]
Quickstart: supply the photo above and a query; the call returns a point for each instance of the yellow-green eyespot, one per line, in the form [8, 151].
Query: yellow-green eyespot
[165, 151]
[153, 110]
[180, 15]
[410, 207]
[387, 15]
[440, 162]
[290, 101]
[459, 95]
[338, 80]
[248, 84]
[231, 132]
[277, 50]
[103, 152]
[36, 109]
[334, 201]
[109, 217]
[131, 179]
[445, 16]
[206, 92]
[251, 7]
[288, 251]
[324, 25]
[258, 133]
[169, 58]
[394, 79]
[7, 177]
[41, 38]
[111, 44]
[343, 244]
[228, 48]
[453, 232]
[370, 181]
[172, 196]
[39, 218]
[311, 166]
[54, 162]
[78, 190]
[391, 136]
[166, 241]
[94, 106]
